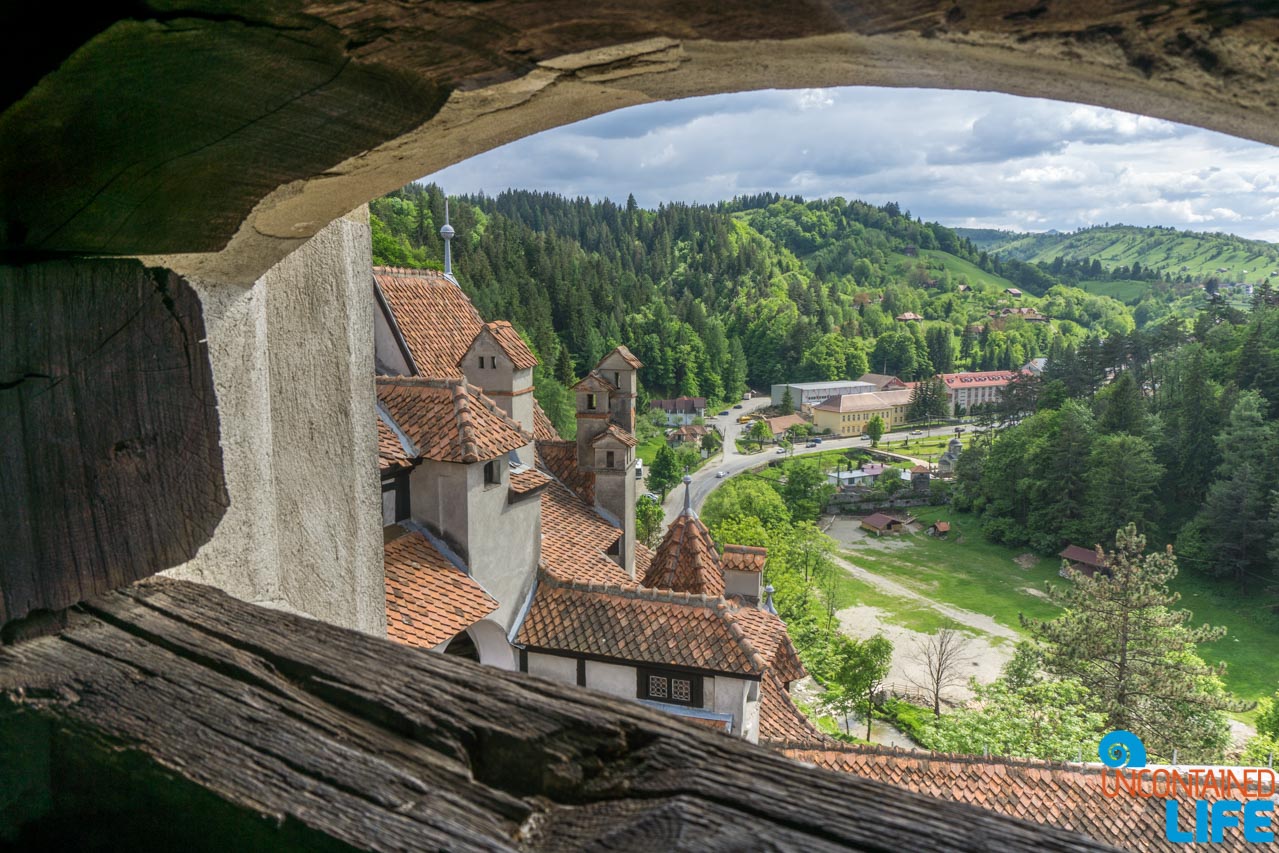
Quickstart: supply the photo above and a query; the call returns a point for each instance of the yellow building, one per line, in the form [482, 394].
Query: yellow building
[849, 414]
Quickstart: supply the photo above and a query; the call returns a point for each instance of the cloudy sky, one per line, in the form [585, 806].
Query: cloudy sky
[962, 158]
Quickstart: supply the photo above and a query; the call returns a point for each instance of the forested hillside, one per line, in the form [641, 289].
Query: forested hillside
[714, 299]
[1126, 251]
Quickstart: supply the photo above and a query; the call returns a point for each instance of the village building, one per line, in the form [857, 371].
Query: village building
[687, 434]
[1013, 292]
[849, 414]
[865, 475]
[1083, 560]
[680, 410]
[879, 523]
[883, 381]
[1035, 366]
[909, 317]
[507, 545]
[778, 426]
[966, 391]
[805, 395]
[947, 461]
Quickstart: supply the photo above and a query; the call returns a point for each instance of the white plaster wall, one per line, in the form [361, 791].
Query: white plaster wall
[292, 359]
[438, 499]
[742, 583]
[611, 678]
[490, 640]
[503, 541]
[729, 697]
[554, 667]
[387, 356]
[241, 557]
[615, 493]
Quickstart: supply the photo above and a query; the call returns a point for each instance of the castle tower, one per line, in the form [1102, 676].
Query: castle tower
[606, 443]
[501, 364]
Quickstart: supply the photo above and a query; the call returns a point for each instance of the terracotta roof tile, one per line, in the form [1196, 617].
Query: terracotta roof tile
[643, 559]
[780, 722]
[428, 600]
[767, 634]
[448, 420]
[574, 539]
[525, 480]
[594, 381]
[617, 434]
[560, 459]
[781, 423]
[686, 561]
[636, 624]
[391, 455]
[543, 429]
[743, 558]
[1064, 795]
[510, 342]
[435, 317]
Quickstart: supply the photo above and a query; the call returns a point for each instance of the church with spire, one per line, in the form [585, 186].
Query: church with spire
[506, 544]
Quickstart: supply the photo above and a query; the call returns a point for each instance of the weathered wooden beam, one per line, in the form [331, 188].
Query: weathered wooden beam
[110, 467]
[268, 730]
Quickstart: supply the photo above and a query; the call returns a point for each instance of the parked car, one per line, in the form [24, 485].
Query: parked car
[813, 443]
[865, 437]
[781, 450]
[721, 414]
[738, 406]
[719, 475]
[817, 441]
[917, 432]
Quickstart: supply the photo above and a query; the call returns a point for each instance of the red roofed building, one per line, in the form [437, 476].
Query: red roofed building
[965, 391]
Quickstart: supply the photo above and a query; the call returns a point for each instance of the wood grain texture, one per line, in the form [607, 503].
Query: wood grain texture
[336, 737]
[110, 467]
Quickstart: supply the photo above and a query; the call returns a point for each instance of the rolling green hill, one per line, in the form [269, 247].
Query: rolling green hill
[1195, 254]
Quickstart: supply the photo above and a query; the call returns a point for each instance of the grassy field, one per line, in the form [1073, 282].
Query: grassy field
[906, 612]
[648, 449]
[1124, 291]
[977, 277]
[967, 571]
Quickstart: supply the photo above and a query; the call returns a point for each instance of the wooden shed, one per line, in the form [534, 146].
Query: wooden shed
[879, 524]
[1082, 560]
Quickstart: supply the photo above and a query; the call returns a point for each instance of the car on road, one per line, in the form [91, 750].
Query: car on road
[917, 432]
[813, 443]
[738, 406]
[781, 450]
[865, 437]
[721, 414]
[719, 475]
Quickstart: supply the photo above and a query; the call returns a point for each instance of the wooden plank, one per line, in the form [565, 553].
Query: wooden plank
[335, 735]
[110, 467]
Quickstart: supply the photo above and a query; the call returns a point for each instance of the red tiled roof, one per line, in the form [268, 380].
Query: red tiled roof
[879, 521]
[642, 625]
[780, 722]
[527, 480]
[574, 539]
[643, 559]
[626, 355]
[1077, 554]
[428, 600]
[984, 379]
[391, 455]
[781, 423]
[594, 381]
[511, 344]
[743, 558]
[435, 317]
[448, 420]
[543, 429]
[941, 526]
[919, 469]
[767, 633]
[617, 434]
[686, 560]
[560, 459]
[1066, 796]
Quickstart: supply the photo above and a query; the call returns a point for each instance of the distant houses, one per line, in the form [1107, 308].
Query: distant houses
[966, 390]
[681, 410]
[1013, 292]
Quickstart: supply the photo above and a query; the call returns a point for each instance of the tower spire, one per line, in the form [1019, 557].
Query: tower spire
[447, 233]
[688, 495]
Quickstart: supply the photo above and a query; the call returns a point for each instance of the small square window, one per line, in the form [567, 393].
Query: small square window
[657, 687]
[681, 690]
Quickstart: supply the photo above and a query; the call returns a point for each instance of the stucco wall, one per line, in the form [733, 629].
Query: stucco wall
[292, 362]
[615, 494]
[730, 697]
[553, 666]
[611, 678]
[503, 541]
[742, 583]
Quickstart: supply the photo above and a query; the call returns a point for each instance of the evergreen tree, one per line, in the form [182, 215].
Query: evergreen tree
[1119, 637]
[788, 402]
[1121, 407]
[1121, 482]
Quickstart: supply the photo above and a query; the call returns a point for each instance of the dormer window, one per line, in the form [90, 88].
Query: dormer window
[492, 472]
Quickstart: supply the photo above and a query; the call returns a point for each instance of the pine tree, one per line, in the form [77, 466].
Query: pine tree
[788, 402]
[1120, 638]
[1121, 481]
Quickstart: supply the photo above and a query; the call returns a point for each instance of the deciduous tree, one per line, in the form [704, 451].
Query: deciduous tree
[942, 658]
[665, 472]
[875, 429]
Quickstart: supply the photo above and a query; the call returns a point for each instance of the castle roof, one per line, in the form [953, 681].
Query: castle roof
[510, 342]
[543, 429]
[435, 318]
[661, 627]
[625, 355]
[686, 560]
[392, 455]
[559, 458]
[448, 420]
[594, 381]
[428, 598]
[616, 433]
[525, 480]
[575, 539]
[743, 558]
[780, 722]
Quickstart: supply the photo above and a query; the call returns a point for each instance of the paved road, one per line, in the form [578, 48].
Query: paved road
[733, 463]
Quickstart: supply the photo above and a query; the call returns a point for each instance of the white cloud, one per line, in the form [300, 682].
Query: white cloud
[964, 158]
